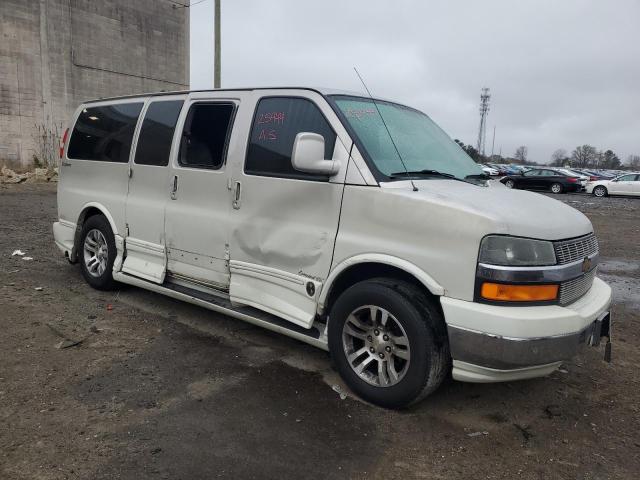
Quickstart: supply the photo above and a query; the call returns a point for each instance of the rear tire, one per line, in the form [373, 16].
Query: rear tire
[556, 188]
[97, 252]
[395, 356]
[600, 191]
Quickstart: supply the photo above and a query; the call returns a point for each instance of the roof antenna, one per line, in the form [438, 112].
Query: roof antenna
[413, 185]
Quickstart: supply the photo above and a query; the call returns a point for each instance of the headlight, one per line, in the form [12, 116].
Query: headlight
[514, 251]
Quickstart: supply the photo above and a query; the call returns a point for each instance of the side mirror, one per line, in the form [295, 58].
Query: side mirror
[308, 155]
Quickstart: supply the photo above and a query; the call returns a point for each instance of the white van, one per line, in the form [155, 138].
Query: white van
[352, 224]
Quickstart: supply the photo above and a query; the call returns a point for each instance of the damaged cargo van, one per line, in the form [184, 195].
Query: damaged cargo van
[353, 224]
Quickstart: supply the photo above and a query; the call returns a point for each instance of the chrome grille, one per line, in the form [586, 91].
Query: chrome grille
[568, 251]
[572, 290]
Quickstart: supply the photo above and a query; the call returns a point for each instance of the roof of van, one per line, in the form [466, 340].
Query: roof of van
[322, 91]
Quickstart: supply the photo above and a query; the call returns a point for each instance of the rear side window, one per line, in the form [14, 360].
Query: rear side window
[156, 133]
[627, 178]
[277, 122]
[104, 133]
[205, 134]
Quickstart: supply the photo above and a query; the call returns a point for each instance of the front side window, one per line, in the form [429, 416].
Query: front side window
[399, 139]
[205, 134]
[277, 122]
[156, 133]
[104, 133]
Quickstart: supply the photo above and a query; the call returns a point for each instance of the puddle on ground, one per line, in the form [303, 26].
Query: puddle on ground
[623, 276]
[620, 267]
[625, 289]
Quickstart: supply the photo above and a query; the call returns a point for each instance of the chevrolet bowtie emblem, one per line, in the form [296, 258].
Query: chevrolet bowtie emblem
[586, 265]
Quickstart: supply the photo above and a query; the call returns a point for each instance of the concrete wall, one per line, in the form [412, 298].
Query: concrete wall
[56, 53]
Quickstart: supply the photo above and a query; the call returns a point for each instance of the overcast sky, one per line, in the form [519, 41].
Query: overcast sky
[561, 73]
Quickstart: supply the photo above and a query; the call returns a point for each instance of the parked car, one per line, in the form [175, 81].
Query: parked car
[516, 169]
[627, 184]
[502, 169]
[573, 173]
[593, 175]
[544, 179]
[489, 170]
[302, 211]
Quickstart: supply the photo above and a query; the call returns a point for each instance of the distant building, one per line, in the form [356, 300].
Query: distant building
[56, 53]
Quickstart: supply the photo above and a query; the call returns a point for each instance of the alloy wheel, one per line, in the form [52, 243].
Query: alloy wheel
[95, 253]
[376, 346]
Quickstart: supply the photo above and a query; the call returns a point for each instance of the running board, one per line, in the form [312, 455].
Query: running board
[313, 336]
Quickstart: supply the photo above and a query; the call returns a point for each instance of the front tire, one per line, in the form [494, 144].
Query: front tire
[388, 341]
[510, 184]
[600, 191]
[97, 252]
[556, 188]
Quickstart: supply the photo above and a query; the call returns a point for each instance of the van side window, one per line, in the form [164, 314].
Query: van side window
[104, 133]
[156, 133]
[204, 138]
[277, 122]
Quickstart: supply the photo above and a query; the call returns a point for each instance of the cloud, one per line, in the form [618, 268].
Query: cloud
[561, 73]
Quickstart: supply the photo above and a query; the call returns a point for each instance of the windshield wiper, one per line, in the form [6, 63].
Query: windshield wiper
[479, 176]
[428, 173]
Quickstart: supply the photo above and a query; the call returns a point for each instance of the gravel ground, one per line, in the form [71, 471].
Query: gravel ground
[160, 389]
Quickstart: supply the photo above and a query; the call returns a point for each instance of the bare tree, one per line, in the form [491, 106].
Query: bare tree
[559, 157]
[521, 154]
[633, 161]
[584, 156]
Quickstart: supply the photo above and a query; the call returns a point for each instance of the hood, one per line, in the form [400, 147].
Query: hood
[512, 212]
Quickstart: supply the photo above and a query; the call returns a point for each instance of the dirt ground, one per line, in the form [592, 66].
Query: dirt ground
[160, 389]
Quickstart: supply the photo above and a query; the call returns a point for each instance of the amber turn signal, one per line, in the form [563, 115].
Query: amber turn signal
[518, 293]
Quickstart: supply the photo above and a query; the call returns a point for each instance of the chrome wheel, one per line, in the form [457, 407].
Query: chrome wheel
[556, 188]
[599, 191]
[96, 253]
[509, 183]
[376, 346]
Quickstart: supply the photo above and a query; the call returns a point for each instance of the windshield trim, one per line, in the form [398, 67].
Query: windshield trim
[377, 174]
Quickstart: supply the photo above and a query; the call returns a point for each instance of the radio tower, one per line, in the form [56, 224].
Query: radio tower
[485, 96]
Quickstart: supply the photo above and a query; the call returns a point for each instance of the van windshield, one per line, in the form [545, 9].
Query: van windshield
[424, 147]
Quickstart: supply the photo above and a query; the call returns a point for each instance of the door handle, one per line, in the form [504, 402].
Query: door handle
[237, 192]
[174, 188]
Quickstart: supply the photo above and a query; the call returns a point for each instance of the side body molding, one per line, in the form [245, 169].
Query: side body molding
[428, 281]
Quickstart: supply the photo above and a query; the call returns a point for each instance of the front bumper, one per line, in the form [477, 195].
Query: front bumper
[496, 343]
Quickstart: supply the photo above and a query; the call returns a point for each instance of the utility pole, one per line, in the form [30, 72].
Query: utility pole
[493, 142]
[484, 110]
[216, 41]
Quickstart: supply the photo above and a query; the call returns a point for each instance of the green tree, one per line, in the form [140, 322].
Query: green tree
[609, 160]
[472, 152]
